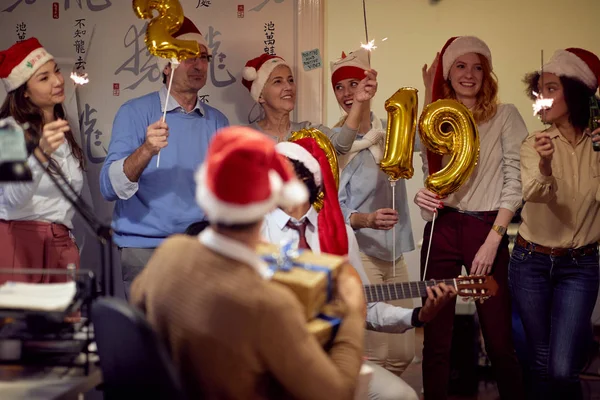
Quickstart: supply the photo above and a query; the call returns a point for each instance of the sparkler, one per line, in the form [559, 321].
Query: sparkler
[541, 103]
[79, 79]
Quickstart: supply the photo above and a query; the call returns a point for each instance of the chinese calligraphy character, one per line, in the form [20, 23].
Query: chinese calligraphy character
[80, 23]
[214, 46]
[80, 63]
[11, 8]
[270, 36]
[264, 3]
[203, 3]
[149, 70]
[91, 4]
[79, 46]
[87, 123]
[78, 33]
[204, 98]
[21, 31]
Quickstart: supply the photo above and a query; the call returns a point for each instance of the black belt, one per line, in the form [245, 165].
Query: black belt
[486, 216]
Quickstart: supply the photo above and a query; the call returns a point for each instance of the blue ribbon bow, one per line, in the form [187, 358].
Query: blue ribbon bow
[286, 260]
[335, 325]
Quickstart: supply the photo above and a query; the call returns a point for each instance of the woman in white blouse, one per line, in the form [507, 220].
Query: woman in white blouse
[35, 219]
[470, 227]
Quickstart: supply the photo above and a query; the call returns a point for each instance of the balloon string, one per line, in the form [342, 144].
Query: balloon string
[164, 117]
[429, 245]
[393, 186]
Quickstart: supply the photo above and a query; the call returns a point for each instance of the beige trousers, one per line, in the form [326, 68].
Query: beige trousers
[392, 351]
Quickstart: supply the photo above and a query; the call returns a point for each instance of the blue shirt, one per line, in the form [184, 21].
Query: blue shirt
[364, 188]
[162, 202]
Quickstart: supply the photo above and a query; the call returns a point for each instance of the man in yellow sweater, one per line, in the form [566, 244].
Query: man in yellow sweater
[233, 333]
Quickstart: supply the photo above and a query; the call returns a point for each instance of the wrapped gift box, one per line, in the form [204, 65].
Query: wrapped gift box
[310, 276]
[324, 328]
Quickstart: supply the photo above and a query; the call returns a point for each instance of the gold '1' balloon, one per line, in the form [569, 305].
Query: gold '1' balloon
[159, 33]
[325, 144]
[447, 127]
[397, 161]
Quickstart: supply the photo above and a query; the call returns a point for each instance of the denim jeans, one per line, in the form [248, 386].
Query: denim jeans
[555, 297]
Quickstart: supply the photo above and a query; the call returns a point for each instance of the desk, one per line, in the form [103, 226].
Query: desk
[33, 382]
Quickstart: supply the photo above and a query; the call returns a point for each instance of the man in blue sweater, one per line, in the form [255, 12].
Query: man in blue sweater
[155, 200]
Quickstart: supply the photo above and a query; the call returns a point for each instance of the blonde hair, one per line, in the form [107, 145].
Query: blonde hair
[487, 98]
[341, 122]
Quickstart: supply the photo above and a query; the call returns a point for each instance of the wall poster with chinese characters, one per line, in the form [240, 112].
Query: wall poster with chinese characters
[105, 39]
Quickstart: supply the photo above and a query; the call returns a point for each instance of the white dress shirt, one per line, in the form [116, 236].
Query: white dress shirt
[235, 250]
[381, 317]
[41, 200]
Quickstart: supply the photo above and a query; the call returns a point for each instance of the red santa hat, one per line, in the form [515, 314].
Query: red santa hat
[243, 178]
[257, 71]
[455, 47]
[187, 31]
[332, 228]
[20, 61]
[350, 66]
[575, 63]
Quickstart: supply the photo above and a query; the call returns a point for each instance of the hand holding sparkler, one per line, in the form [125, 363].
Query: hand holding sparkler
[53, 136]
[367, 87]
[545, 148]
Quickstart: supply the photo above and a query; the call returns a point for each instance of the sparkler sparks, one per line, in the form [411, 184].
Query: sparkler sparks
[369, 46]
[79, 79]
[541, 103]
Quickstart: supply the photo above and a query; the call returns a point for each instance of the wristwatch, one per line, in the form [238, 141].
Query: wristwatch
[414, 320]
[500, 230]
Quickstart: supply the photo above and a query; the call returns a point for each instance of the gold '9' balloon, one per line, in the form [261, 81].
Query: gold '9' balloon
[325, 144]
[461, 141]
[400, 134]
[159, 39]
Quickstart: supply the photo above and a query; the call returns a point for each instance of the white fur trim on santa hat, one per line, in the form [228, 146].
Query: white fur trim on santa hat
[293, 193]
[262, 75]
[565, 63]
[296, 152]
[358, 58]
[461, 46]
[289, 194]
[249, 73]
[26, 68]
[163, 62]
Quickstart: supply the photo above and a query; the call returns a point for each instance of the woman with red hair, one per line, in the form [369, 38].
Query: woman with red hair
[470, 228]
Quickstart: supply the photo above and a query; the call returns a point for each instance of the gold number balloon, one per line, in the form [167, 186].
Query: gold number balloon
[397, 161]
[159, 39]
[325, 144]
[447, 127]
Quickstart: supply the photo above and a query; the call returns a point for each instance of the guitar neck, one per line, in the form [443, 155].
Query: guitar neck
[399, 291]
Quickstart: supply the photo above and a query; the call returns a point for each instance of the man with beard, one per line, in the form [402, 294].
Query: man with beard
[155, 200]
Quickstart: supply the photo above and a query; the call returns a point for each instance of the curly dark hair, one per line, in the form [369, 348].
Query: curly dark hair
[577, 96]
[307, 178]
